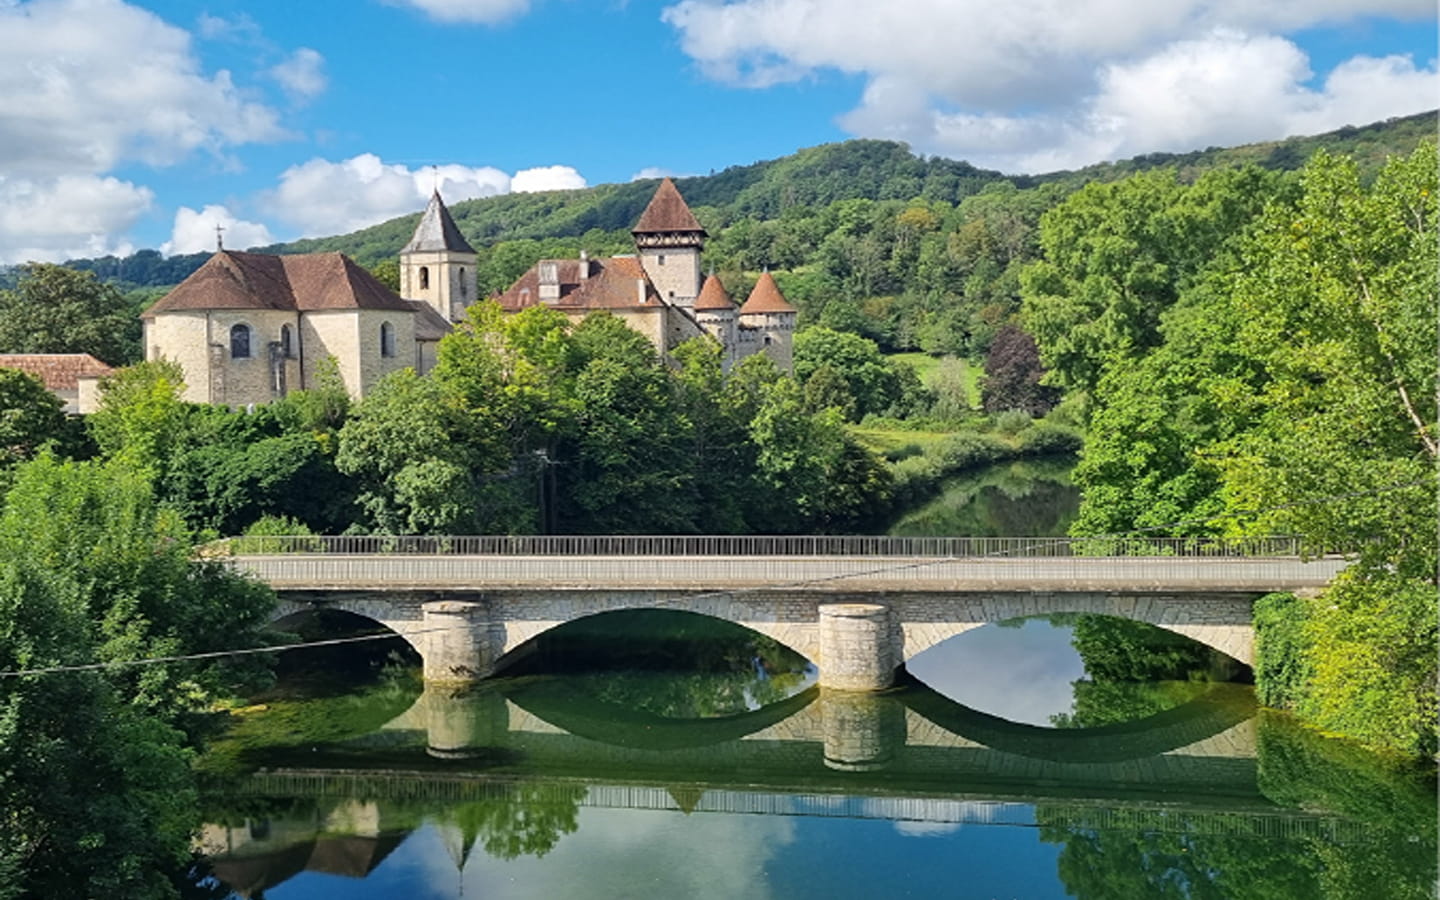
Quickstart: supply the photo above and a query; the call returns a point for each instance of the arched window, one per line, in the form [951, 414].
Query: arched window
[424, 278]
[240, 342]
[287, 345]
[462, 282]
[387, 339]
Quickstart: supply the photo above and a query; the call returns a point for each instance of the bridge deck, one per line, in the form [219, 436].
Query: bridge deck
[837, 574]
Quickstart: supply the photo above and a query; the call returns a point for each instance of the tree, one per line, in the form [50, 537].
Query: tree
[857, 360]
[1013, 373]
[58, 310]
[30, 416]
[141, 415]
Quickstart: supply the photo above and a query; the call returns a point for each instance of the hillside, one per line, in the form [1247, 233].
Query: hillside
[810, 180]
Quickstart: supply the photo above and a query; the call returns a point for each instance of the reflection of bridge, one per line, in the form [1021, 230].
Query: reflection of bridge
[894, 756]
[857, 607]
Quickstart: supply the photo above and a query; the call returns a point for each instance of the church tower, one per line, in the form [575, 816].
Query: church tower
[670, 239]
[438, 265]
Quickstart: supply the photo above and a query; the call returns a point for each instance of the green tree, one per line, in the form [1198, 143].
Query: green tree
[30, 417]
[53, 309]
[141, 415]
[857, 360]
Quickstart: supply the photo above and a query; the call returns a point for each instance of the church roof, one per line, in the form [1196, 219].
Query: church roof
[59, 371]
[766, 298]
[304, 282]
[613, 283]
[667, 212]
[713, 296]
[429, 324]
[437, 231]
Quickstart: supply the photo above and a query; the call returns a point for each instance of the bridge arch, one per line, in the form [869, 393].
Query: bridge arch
[526, 616]
[399, 619]
[1223, 623]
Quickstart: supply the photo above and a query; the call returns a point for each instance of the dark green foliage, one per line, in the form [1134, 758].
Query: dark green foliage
[30, 417]
[1115, 649]
[54, 309]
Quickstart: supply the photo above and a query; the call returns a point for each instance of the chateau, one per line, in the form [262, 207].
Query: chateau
[249, 327]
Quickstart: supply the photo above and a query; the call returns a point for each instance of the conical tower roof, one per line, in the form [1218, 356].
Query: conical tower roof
[766, 298]
[437, 231]
[667, 212]
[713, 297]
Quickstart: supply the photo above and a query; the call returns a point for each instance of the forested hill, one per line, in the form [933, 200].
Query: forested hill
[812, 179]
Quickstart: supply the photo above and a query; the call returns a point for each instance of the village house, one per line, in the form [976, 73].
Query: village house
[249, 328]
[73, 377]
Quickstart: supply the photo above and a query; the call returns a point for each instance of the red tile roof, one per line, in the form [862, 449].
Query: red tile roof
[612, 283]
[766, 298]
[59, 371]
[667, 212]
[310, 281]
[713, 296]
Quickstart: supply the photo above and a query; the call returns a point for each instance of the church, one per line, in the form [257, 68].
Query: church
[249, 328]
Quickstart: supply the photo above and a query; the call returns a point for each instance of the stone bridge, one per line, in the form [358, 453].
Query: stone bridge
[858, 608]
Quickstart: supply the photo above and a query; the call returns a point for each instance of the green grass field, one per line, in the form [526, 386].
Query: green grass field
[930, 367]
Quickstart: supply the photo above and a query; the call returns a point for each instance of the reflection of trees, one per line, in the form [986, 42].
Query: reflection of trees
[1033, 497]
[1098, 703]
[672, 664]
[1388, 848]
[1115, 649]
[526, 819]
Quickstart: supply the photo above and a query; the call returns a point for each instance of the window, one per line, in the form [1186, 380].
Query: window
[462, 282]
[387, 339]
[660, 259]
[287, 346]
[240, 342]
[424, 278]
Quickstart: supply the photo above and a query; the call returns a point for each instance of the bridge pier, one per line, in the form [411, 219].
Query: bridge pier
[858, 649]
[456, 642]
[863, 732]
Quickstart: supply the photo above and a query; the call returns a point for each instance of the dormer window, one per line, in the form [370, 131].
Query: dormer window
[240, 342]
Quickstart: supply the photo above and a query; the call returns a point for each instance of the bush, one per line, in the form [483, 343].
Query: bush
[1011, 422]
[1281, 647]
[1046, 439]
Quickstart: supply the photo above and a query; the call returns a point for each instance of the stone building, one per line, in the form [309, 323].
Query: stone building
[658, 291]
[73, 377]
[250, 327]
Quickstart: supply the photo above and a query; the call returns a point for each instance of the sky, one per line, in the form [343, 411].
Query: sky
[129, 125]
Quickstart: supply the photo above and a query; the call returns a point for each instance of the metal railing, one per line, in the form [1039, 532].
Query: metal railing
[758, 546]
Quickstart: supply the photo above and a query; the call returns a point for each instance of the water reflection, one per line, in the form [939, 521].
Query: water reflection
[1021, 498]
[1222, 791]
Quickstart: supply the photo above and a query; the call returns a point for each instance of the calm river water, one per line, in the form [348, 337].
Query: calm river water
[642, 755]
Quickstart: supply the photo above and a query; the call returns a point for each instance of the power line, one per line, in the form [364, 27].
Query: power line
[729, 592]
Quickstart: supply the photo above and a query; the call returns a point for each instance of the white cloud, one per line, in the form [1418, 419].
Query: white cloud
[324, 197]
[483, 12]
[301, 75]
[194, 232]
[653, 172]
[546, 178]
[1028, 83]
[86, 84]
[53, 219]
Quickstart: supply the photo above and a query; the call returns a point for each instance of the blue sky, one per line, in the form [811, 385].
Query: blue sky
[143, 124]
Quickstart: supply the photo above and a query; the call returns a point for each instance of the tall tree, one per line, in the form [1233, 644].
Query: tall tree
[54, 309]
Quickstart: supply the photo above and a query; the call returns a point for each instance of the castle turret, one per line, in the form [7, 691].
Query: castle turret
[669, 239]
[767, 323]
[438, 265]
[716, 312]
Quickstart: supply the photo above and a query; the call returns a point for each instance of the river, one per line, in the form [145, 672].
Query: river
[666, 755]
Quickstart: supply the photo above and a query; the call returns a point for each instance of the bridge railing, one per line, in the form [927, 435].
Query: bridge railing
[757, 546]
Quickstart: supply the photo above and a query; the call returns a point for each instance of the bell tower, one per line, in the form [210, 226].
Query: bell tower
[669, 239]
[438, 265]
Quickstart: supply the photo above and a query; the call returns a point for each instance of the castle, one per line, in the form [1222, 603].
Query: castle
[249, 327]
